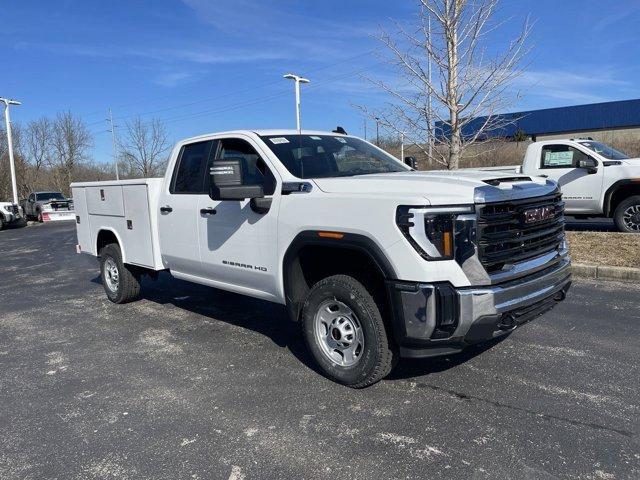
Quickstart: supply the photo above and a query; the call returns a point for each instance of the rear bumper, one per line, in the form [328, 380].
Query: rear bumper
[57, 215]
[438, 319]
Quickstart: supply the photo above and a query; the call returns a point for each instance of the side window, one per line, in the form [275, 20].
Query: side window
[255, 170]
[188, 176]
[561, 156]
[32, 197]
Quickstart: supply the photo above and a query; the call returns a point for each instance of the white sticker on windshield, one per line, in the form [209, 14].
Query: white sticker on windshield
[278, 140]
[341, 140]
[313, 137]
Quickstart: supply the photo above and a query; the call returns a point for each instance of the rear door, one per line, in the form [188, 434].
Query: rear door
[237, 244]
[581, 190]
[178, 216]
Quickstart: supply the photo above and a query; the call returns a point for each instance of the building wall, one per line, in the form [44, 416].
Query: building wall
[610, 136]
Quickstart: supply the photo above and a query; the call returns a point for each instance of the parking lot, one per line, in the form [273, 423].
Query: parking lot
[192, 382]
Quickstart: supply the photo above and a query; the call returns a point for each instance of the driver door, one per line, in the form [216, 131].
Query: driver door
[581, 190]
[238, 245]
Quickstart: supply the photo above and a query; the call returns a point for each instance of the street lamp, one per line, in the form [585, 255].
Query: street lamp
[298, 80]
[7, 120]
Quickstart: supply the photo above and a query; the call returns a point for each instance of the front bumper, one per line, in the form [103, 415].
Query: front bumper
[438, 319]
[10, 217]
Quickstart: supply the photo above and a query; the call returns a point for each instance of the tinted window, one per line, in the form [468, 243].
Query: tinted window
[318, 156]
[190, 171]
[254, 168]
[49, 196]
[561, 156]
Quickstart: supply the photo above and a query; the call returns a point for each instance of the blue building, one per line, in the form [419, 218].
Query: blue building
[605, 121]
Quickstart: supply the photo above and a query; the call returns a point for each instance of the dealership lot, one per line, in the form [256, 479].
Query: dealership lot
[192, 382]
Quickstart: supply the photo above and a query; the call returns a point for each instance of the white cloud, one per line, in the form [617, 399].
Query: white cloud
[173, 79]
[571, 87]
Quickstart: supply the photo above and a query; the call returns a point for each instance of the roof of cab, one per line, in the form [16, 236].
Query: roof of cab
[261, 132]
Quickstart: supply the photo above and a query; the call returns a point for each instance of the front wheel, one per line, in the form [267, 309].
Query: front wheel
[627, 215]
[121, 283]
[345, 333]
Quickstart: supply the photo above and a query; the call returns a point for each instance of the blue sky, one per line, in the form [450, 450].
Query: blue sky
[209, 65]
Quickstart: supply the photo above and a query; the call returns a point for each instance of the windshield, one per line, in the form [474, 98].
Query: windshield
[605, 150]
[49, 196]
[322, 156]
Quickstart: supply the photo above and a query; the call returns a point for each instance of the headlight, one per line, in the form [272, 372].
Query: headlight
[431, 231]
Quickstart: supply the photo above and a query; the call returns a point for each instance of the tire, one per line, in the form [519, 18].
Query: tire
[627, 215]
[1, 222]
[339, 312]
[39, 217]
[121, 283]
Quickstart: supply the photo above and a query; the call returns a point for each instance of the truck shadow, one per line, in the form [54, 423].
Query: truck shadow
[266, 318]
[271, 320]
[409, 368]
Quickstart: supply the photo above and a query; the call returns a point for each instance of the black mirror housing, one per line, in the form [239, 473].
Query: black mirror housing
[412, 162]
[227, 181]
[589, 164]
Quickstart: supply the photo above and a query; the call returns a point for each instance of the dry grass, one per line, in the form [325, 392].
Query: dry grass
[605, 248]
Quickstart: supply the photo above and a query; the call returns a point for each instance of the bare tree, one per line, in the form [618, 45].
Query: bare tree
[70, 142]
[143, 149]
[38, 149]
[21, 166]
[467, 81]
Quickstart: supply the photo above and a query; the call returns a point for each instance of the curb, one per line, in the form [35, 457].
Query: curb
[603, 272]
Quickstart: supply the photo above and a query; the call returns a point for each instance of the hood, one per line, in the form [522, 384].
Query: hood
[442, 187]
[634, 162]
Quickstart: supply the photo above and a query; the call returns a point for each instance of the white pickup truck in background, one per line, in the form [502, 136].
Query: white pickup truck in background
[596, 180]
[375, 260]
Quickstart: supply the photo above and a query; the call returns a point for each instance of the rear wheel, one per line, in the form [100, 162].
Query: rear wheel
[1, 222]
[627, 215]
[121, 282]
[345, 333]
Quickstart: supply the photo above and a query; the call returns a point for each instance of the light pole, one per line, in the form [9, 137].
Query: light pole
[298, 80]
[377, 131]
[7, 120]
[402, 146]
[113, 139]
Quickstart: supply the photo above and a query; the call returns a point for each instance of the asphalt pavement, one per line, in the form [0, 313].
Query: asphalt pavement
[195, 383]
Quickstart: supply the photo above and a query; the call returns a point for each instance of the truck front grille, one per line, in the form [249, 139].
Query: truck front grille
[506, 234]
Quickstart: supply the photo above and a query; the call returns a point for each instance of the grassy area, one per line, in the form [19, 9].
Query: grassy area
[605, 248]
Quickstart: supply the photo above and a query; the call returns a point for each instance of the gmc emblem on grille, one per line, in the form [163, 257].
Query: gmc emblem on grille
[539, 214]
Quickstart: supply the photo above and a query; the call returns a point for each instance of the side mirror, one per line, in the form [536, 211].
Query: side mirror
[227, 181]
[589, 164]
[412, 162]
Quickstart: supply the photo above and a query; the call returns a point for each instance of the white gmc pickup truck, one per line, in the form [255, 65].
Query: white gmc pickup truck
[375, 261]
[596, 180]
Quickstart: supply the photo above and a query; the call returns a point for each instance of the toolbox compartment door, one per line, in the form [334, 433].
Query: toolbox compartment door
[83, 226]
[105, 200]
[137, 226]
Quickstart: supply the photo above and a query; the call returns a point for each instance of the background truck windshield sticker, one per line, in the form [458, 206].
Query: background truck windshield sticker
[557, 159]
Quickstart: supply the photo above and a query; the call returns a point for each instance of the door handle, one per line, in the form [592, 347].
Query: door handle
[208, 211]
[166, 209]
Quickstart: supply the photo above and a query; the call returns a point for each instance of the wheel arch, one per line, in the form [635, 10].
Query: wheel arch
[617, 193]
[311, 257]
[107, 235]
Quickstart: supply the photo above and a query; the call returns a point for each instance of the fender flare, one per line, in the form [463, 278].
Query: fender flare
[118, 238]
[606, 207]
[351, 241]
